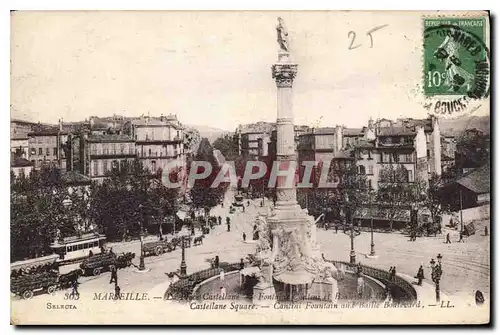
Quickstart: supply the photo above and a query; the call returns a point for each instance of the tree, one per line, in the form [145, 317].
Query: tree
[227, 146]
[202, 194]
[395, 192]
[352, 190]
[431, 198]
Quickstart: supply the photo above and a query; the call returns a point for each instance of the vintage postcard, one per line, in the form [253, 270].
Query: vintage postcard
[250, 167]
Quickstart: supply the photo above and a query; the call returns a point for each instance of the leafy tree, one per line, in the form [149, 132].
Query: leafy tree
[202, 194]
[227, 146]
[395, 193]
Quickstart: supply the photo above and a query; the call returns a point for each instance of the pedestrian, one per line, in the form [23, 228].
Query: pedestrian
[221, 275]
[216, 261]
[420, 275]
[360, 286]
[222, 204]
[74, 286]
[393, 274]
[91, 253]
[390, 270]
[244, 237]
[448, 238]
[254, 227]
[242, 264]
[222, 292]
[451, 222]
[336, 229]
[248, 203]
[228, 220]
[219, 220]
[117, 292]
[228, 227]
[485, 231]
[243, 208]
[111, 251]
[461, 238]
[114, 275]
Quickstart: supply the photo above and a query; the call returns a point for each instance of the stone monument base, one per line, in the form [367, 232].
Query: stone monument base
[264, 295]
[324, 290]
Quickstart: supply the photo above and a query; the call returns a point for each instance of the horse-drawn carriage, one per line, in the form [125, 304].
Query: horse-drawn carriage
[158, 247]
[26, 285]
[104, 262]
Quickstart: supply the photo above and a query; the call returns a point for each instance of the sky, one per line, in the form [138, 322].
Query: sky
[214, 68]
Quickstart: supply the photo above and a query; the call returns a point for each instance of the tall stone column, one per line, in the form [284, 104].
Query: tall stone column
[284, 73]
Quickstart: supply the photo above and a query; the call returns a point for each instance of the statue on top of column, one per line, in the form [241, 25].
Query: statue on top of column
[282, 35]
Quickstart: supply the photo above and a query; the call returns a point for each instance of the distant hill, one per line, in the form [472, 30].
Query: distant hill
[210, 133]
[455, 127]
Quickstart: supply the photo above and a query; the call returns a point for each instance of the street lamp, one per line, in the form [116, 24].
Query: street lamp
[352, 232]
[437, 272]
[372, 244]
[183, 259]
[142, 267]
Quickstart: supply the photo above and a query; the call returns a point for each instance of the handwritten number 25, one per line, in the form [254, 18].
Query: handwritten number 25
[352, 35]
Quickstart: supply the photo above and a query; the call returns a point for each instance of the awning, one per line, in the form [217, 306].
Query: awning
[250, 271]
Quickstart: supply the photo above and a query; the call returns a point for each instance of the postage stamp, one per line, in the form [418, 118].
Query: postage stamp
[189, 168]
[456, 62]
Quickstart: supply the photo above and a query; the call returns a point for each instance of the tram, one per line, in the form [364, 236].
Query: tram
[75, 248]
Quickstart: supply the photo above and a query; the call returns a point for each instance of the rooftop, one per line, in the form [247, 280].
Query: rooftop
[109, 138]
[20, 162]
[73, 177]
[477, 180]
[396, 131]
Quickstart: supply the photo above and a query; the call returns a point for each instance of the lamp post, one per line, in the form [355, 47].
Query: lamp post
[372, 244]
[437, 272]
[352, 232]
[183, 259]
[142, 267]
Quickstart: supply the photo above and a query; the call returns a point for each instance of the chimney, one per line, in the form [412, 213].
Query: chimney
[370, 123]
[161, 117]
[60, 124]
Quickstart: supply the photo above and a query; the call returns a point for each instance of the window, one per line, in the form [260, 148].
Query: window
[369, 184]
[40, 151]
[40, 161]
[428, 153]
[410, 176]
[55, 151]
[122, 148]
[95, 169]
[361, 169]
[105, 166]
[115, 164]
[370, 169]
[33, 162]
[114, 148]
[47, 151]
[395, 158]
[153, 166]
[149, 152]
[33, 151]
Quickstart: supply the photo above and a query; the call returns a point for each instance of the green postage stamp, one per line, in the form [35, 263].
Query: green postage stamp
[456, 57]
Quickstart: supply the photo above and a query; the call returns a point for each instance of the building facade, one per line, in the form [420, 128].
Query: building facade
[159, 142]
[107, 152]
[44, 146]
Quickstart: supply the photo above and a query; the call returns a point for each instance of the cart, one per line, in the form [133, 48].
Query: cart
[98, 263]
[25, 286]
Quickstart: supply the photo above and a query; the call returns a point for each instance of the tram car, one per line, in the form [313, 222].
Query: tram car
[76, 248]
[238, 200]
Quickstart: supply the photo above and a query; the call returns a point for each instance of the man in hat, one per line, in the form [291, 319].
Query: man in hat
[420, 275]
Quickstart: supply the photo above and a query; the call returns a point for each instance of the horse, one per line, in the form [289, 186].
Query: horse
[198, 240]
